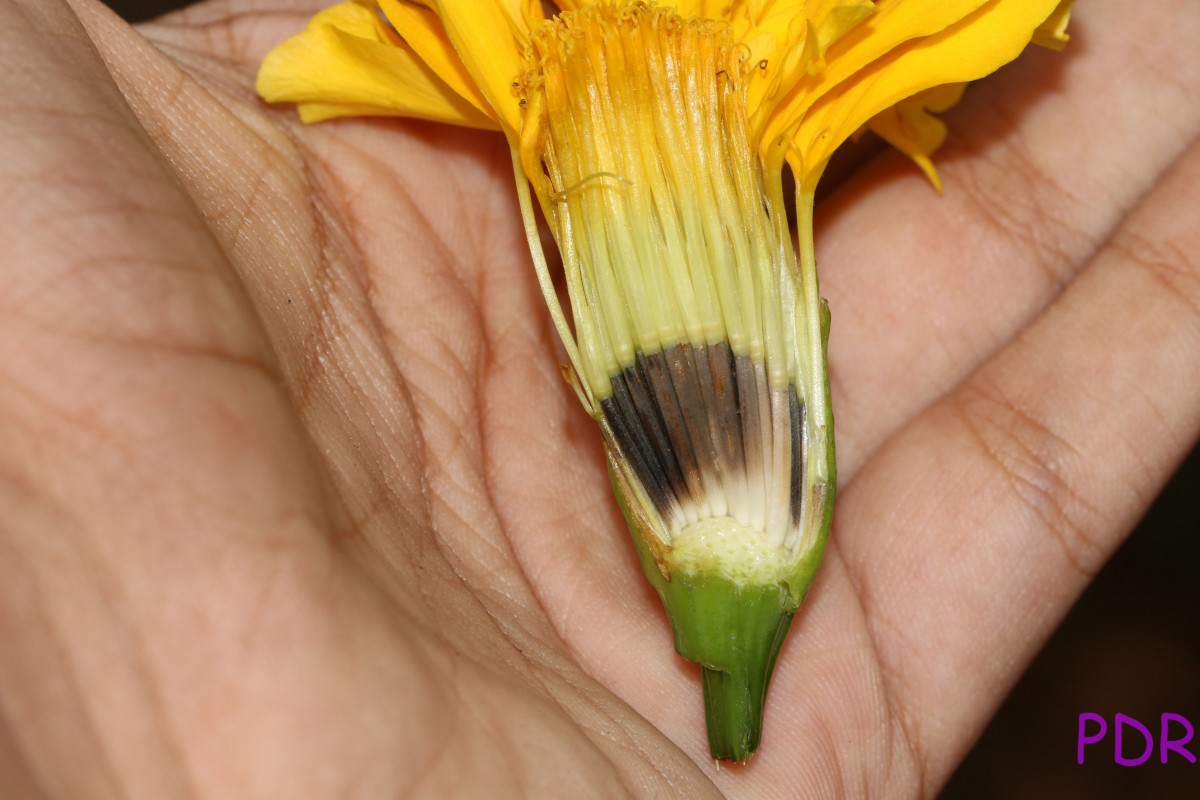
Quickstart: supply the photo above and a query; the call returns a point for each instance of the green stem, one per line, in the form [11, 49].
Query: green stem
[734, 631]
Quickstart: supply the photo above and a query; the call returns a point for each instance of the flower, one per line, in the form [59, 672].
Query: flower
[655, 138]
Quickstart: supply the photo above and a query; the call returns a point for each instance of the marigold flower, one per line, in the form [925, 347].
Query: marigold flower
[655, 136]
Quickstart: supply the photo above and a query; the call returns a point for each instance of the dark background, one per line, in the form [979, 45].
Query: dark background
[1131, 644]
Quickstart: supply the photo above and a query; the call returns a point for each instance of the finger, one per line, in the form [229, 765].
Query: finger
[1044, 159]
[976, 526]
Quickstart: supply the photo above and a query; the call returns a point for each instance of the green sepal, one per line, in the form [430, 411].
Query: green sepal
[734, 631]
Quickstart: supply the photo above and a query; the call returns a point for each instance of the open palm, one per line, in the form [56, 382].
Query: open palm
[296, 502]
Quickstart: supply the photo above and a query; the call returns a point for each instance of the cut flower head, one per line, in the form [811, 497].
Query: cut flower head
[655, 136]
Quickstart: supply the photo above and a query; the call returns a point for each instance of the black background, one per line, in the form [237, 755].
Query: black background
[1130, 644]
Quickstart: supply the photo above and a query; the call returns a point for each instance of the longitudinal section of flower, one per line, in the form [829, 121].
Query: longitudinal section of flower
[682, 279]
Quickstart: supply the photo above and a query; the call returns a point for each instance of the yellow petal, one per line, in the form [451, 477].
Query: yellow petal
[347, 62]
[892, 24]
[788, 41]
[533, 13]
[423, 32]
[970, 48]
[839, 19]
[911, 127]
[1053, 32]
[487, 35]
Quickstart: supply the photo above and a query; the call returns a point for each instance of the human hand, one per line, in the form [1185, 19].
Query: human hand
[298, 505]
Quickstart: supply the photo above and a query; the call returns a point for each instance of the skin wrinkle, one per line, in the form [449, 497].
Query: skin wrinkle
[219, 35]
[1181, 76]
[482, 384]
[565, 611]
[828, 737]
[236, 46]
[397, 370]
[1167, 265]
[25, 780]
[169, 734]
[84, 264]
[479, 385]
[530, 670]
[179, 89]
[467, 275]
[533, 670]
[249, 210]
[427, 772]
[166, 733]
[438, 474]
[166, 465]
[370, 509]
[52, 434]
[319, 339]
[494, 220]
[848, 664]
[388, 499]
[47, 625]
[446, 550]
[447, 746]
[1039, 194]
[115, 212]
[903, 722]
[83, 129]
[155, 684]
[563, 608]
[831, 763]
[28, 310]
[444, 256]
[621, 747]
[433, 361]
[135, 454]
[261, 606]
[326, 318]
[1029, 455]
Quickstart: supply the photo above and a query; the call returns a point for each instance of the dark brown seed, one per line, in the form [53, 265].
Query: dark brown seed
[695, 424]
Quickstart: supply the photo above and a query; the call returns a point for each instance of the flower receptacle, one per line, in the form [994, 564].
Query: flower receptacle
[734, 631]
[733, 627]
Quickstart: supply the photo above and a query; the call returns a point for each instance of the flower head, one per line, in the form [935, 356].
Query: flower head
[655, 136]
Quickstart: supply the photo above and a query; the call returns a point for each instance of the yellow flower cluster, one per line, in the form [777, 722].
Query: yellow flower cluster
[655, 137]
[824, 68]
